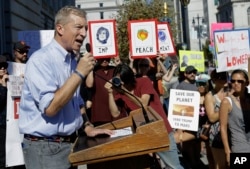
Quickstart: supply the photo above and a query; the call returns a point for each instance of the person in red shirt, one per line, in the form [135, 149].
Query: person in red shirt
[95, 81]
[143, 89]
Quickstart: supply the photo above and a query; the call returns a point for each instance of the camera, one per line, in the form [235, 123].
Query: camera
[116, 81]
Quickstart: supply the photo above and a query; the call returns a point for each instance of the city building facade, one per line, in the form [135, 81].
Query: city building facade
[21, 15]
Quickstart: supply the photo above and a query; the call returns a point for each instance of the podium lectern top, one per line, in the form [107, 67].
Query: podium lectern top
[146, 138]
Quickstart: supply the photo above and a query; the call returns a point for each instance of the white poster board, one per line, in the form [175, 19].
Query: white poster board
[143, 40]
[184, 109]
[232, 49]
[165, 41]
[103, 38]
[14, 153]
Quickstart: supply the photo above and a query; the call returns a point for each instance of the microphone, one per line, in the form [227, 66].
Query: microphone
[116, 82]
[88, 47]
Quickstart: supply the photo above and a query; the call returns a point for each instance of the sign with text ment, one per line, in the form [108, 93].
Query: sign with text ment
[165, 41]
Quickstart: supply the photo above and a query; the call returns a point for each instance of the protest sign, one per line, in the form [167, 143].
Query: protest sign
[14, 153]
[232, 49]
[143, 38]
[184, 109]
[219, 26]
[194, 58]
[36, 38]
[103, 38]
[165, 41]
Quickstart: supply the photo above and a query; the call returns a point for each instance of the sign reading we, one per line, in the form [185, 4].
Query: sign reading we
[232, 49]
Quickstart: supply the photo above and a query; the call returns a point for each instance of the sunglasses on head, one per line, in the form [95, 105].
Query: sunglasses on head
[201, 84]
[22, 51]
[4, 65]
[238, 81]
[192, 71]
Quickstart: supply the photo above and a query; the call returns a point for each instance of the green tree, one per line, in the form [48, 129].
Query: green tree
[139, 10]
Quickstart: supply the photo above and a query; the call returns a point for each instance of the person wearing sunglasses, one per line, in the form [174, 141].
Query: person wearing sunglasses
[188, 139]
[3, 105]
[21, 50]
[217, 92]
[234, 116]
[202, 82]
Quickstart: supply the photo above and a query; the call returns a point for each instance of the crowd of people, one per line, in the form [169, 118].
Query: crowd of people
[62, 94]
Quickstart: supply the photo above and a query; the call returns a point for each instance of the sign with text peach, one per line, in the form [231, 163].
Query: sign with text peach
[143, 38]
[103, 38]
[165, 41]
[232, 49]
[194, 58]
[184, 109]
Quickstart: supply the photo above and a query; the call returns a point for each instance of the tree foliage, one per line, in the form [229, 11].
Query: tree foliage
[139, 10]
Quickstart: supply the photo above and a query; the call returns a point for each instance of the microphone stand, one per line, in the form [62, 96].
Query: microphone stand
[144, 112]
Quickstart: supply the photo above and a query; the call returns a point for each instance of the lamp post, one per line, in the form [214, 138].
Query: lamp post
[198, 28]
[185, 26]
[165, 11]
[185, 2]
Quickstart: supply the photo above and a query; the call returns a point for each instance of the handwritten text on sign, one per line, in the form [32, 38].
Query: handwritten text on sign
[232, 49]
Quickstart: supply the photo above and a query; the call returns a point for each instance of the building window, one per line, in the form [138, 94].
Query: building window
[101, 15]
[101, 4]
[216, 2]
[78, 6]
[248, 16]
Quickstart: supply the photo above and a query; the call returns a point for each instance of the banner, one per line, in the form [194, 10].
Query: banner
[194, 58]
[232, 49]
[36, 39]
[14, 153]
[184, 109]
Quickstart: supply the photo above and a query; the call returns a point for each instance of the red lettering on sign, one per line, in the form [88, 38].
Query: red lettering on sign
[221, 39]
[237, 60]
[16, 107]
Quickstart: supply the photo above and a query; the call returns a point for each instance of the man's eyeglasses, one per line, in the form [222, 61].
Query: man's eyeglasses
[190, 72]
[4, 65]
[238, 81]
[198, 84]
[22, 51]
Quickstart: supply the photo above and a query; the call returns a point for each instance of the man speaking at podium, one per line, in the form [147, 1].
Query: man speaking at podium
[143, 89]
[51, 108]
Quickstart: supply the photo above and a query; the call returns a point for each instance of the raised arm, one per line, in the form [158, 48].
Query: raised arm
[115, 112]
[213, 115]
[66, 92]
[168, 76]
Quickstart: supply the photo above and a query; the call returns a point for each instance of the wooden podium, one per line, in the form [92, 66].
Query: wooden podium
[124, 151]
